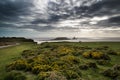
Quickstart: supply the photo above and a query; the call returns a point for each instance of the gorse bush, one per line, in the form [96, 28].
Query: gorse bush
[106, 57]
[62, 50]
[70, 74]
[14, 75]
[43, 75]
[103, 62]
[17, 65]
[84, 67]
[111, 73]
[40, 68]
[112, 52]
[56, 67]
[70, 59]
[95, 55]
[53, 75]
[87, 54]
[59, 65]
[77, 52]
[92, 65]
[116, 67]
[41, 59]
[27, 53]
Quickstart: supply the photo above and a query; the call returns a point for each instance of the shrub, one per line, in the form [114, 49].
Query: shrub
[118, 78]
[106, 57]
[70, 59]
[77, 53]
[41, 59]
[56, 67]
[62, 50]
[17, 65]
[116, 67]
[50, 76]
[59, 62]
[28, 53]
[92, 65]
[42, 75]
[70, 74]
[103, 62]
[87, 54]
[13, 75]
[111, 73]
[96, 55]
[39, 68]
[112, 52]
[84, 67]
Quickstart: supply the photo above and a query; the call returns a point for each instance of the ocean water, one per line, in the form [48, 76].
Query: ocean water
[102, 39]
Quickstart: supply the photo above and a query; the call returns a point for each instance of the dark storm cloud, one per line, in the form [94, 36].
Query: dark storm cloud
[112, 21]
[38, 28]
[115, 19]
[105, 7]
[97, 8]
[57, 11]
[63, 10]
[10, 9]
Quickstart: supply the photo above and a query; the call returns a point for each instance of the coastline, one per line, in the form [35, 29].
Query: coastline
[41, 40]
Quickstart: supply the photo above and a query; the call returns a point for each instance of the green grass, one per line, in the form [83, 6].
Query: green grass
[112, 45]
[10, 54]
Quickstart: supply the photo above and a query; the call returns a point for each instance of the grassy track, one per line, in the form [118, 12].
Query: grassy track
[10, 54]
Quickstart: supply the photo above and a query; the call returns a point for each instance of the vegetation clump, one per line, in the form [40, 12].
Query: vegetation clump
[14, 75]
[70, 59]
[103, 62]
[70, 74]
[92, 65]
[17, 65]
[95, 55]
[116, 67]
[112, 52]
[113, 72]
[40, 68]
[28, 53]
[83, 67]
[53, 75]
[62, 50]
[51, 61]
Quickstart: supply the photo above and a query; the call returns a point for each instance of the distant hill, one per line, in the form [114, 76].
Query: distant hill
[13, 40]
[61, 38]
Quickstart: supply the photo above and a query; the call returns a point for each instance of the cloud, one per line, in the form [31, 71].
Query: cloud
[68, 15]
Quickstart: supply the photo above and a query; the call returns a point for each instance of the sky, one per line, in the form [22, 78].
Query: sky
[60, 18]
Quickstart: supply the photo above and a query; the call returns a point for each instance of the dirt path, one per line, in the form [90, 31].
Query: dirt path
[9, 45]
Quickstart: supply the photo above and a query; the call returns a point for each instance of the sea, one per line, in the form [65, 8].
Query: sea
[91, 39]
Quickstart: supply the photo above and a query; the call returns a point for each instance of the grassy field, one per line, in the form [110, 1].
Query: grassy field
[113, 45]
[10, 54]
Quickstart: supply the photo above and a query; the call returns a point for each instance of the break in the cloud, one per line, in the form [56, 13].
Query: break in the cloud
[60, 18]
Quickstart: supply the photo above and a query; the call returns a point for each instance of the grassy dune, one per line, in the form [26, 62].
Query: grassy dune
[53, 50]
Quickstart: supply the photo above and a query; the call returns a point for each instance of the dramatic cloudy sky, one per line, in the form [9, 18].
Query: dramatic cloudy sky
[51, 18]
